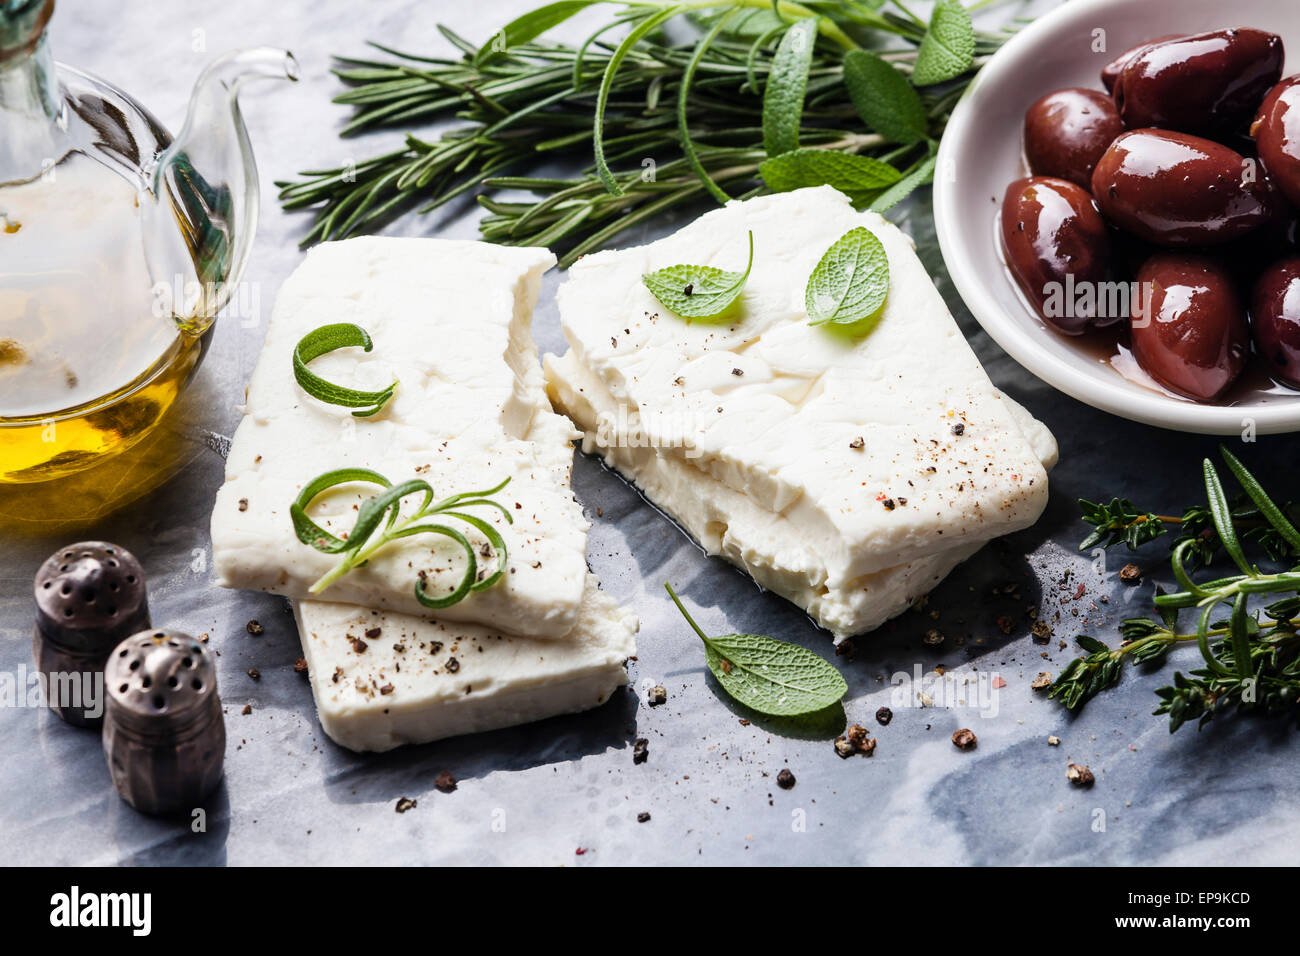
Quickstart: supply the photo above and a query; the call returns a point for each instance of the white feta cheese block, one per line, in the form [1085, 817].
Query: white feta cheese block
[450, 320]
[848, 473]
[382, 679]
[769, 547]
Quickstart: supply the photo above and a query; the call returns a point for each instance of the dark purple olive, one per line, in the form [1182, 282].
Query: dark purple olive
[1179, 190]
[1057, 247]
[1277, 136]
[1067, 131]
[1207, 83]
[1110, 72]
[1275, 317]
[1189, 328]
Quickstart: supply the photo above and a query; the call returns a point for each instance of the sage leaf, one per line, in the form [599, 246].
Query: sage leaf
[698, 292]
[530, 26]
[948, 47]
[772, 677]
[786, 85]
[887, 103]
[920, 175]
[850, 282]
[858, 177]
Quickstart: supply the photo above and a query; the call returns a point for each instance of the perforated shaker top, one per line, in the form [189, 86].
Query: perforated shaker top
[91, 595]
[157, 679]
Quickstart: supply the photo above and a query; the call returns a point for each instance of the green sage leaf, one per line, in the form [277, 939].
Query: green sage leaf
[948, 47]
[858, 177]
[920, 175]
[787, 84]
[769, 676]
[887, 103]
[531, 25]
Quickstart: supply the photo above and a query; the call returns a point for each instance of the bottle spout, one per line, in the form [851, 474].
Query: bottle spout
[200, 225]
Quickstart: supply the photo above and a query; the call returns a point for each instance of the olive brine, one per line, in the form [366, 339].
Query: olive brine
[1182, 184]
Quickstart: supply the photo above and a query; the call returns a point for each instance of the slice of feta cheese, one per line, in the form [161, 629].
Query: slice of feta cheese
[849, 474]
[830, 430]
[769, 547]
[383, 679]
[449, 320]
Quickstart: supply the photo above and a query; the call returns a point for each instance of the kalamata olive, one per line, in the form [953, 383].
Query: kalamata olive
[1057, 247]
[1277, 136]
[1110, 72]
[1189, 328]
[1179, 190]
[1275, 317]
[1067, 131]
[1205, 83]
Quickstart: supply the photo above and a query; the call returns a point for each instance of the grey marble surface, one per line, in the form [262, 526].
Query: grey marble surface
[541, 793]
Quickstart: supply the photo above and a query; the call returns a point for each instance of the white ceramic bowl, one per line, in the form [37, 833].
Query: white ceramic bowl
[980, 154]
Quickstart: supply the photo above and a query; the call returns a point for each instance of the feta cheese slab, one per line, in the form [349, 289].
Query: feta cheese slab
[383, 679]
[450, 320]
[847, 472]
[770, 548]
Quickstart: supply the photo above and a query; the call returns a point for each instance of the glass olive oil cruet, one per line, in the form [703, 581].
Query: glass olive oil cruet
[118, 246]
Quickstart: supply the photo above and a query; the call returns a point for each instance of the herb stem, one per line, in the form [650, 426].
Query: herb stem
[686, 614]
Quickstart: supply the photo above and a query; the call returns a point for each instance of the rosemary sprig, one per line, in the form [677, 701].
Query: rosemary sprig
[328, 338]
[665, 123]
[1252, 657]
[379, 523]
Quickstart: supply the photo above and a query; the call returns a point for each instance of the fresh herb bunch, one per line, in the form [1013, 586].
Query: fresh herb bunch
[1252, 657]
[761, 99]
[379, 523]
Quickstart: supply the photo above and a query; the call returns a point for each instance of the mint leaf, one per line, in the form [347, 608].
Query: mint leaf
[786, 85]
[948, 47]
[698, 292]
[919, 175]
[851, 280]
[772, 677]
[887, 103]
[856, 176]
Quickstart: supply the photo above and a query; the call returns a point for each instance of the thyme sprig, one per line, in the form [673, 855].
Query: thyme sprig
[665, 122]
[1121, 522]
[379, 523]
[1251, 657]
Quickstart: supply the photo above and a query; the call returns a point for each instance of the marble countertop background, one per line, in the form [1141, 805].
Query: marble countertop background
[566, 790]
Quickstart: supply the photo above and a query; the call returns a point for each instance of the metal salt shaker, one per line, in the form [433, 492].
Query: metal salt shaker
[89, 596]
[164, 734]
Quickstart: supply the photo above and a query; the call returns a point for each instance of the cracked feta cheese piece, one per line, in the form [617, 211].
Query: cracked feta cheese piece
[849, 474]
[450, 320]
[727, 523]
[382, 680]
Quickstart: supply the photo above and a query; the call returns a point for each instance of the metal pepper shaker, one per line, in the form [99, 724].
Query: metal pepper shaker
[89, 596]
[164, 735]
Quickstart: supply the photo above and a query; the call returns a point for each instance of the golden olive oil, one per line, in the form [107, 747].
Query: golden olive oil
[90, 358]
